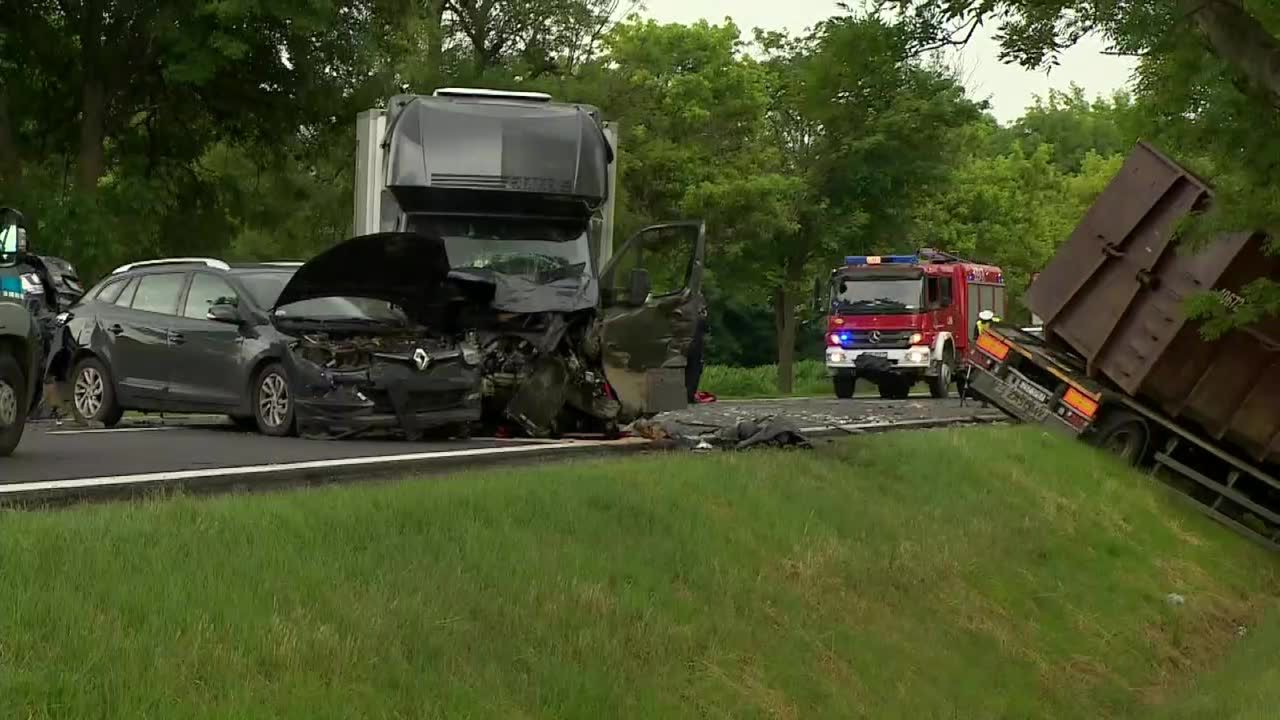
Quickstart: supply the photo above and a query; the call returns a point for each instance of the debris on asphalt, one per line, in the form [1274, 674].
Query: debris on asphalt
[767, 431]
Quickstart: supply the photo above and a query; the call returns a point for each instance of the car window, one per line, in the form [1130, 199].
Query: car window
[158, 293]
[206, 291]
[111, 291]
[126, 295]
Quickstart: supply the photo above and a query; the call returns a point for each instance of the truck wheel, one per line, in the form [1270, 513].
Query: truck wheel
[940, 385]
[1123, 434]
[13, 404]
[845, 383]
[93, 394]
[895, 389]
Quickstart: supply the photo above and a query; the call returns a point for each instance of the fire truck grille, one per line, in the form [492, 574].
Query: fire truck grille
[880, 339]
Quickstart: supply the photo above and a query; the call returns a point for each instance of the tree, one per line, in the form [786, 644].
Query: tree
[1208, 88]
[1013, 210]
[1076, 127]
[864, 129]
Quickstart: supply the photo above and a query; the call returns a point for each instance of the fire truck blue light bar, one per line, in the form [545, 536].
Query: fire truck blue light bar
[881, 260]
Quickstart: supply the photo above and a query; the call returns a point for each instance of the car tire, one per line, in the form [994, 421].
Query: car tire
[93, 394]
[13, 404]
[273, 402]
[845, 384]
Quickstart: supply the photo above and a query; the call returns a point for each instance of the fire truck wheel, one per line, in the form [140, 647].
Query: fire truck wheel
[940, 385]
[845, 382]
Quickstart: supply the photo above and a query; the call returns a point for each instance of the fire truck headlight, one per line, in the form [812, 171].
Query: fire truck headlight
[917, 338]
[918, 355]
[835, 356]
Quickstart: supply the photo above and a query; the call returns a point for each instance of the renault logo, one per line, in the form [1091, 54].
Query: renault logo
[874, 337]
[421, 359]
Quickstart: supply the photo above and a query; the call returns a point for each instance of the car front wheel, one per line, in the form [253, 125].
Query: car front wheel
[273, 402]
[93, 395]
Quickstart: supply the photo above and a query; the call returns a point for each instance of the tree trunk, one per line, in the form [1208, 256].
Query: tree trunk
[1240, 39]
[10, 161]
[435, 38]
[91, 162]
[784, 313]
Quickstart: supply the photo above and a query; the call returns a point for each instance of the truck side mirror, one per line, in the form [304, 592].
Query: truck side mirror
[11, 238]
[638, 289]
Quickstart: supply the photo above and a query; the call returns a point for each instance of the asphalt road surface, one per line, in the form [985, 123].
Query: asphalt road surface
[57, 460]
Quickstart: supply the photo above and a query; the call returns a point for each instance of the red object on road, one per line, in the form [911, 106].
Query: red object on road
[703, 397]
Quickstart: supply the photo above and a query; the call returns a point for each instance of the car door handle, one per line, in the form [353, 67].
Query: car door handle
[115, 329]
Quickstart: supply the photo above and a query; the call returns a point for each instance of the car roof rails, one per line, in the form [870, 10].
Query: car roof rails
[284, 263]
[208, 262]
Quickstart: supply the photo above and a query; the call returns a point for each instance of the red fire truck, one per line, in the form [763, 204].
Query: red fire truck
[898, 319]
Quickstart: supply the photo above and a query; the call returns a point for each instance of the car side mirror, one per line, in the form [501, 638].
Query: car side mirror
[638, 289]
[224, 313]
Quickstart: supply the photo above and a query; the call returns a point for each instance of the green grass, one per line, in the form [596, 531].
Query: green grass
[980, 573]
[728, 382]
[811, 380]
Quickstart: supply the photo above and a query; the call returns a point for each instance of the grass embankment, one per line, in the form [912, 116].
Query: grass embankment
[1021, 576]
[811, 380]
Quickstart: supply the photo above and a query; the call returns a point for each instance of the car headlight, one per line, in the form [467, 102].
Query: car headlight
[917, 338]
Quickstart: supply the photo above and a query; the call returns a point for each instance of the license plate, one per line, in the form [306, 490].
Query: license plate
[876, 354]
[1029, 388]
[1020, 400]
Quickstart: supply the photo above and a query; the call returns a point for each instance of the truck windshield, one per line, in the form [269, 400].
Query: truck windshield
[876, 296]
[541, 251]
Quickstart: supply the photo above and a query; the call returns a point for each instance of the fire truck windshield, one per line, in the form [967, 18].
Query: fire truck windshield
[876, 296]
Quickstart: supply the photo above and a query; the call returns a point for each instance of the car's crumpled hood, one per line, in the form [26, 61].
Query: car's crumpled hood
[408, 269]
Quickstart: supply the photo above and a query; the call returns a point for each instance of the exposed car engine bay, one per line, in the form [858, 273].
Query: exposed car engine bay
[349, 382]
[542, 371]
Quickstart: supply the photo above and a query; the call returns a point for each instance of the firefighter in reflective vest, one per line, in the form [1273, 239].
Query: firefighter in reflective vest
[985, 319]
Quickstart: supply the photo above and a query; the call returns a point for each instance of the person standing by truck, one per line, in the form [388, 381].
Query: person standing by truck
[986, 319]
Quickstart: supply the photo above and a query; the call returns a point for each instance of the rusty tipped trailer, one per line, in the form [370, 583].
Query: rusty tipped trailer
[1120, 363]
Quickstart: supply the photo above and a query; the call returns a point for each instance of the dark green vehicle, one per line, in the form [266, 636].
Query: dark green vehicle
[19, 338]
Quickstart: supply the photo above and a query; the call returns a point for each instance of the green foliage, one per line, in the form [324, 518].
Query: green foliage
[760, 381]
[1208, 89]
[1012, 210]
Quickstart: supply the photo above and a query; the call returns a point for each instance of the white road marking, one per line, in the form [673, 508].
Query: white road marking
[109, 430]
[156, 477]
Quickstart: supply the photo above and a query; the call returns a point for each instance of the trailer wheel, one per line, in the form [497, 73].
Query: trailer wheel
[845, 383]
[1123, 434]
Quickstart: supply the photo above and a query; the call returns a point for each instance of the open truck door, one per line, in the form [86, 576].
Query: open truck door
[651, 291]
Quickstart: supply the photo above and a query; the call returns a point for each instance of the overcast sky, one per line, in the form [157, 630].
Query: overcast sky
[1009, 88]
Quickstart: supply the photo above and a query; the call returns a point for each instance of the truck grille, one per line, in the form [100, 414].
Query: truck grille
[501, 182]
[879, 339]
